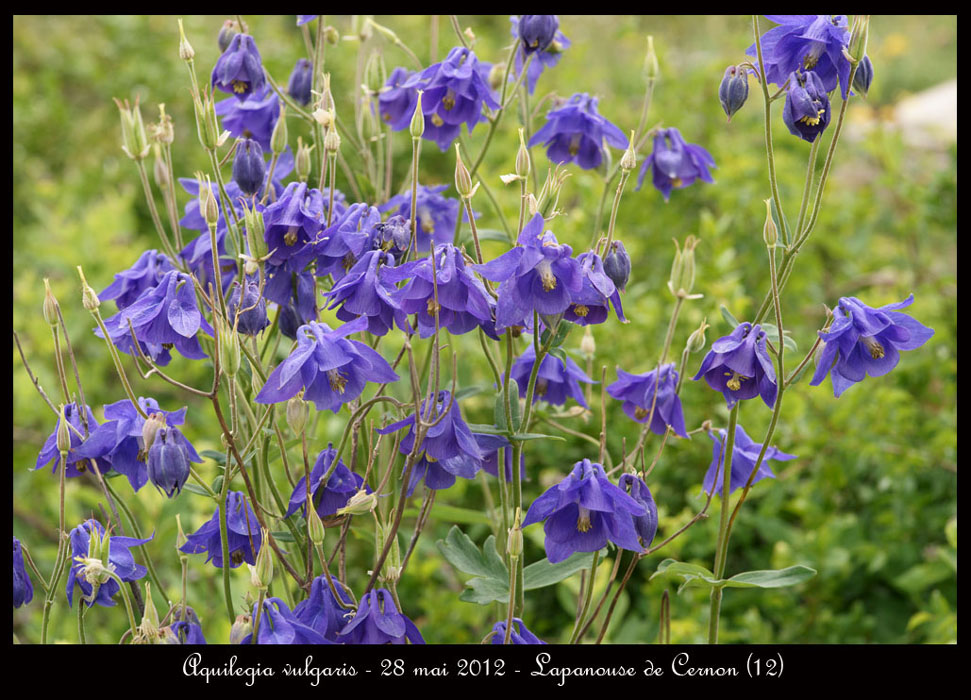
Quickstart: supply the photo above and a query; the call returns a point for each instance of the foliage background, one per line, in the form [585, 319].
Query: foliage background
[871, 503]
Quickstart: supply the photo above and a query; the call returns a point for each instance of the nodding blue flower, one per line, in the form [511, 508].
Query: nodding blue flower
[77, 463]
[23, 589]
[378, 621]
[733, 90]
[807, 42]
[301, 81]
[538, 275]
[617, 265]
[744, 457]
[186, 632]
[864, 76]
[738, 365]
[397, 102]
[393, 236]
[519, 635]
[367, 292]
[490, 445]
[245, 538]
[164, 317]
[537, 31]
[865, 341]
[120, 440]
[806, 112]
[246, 308]
[454, 92]
[327, 499]
[434, 214]
[168, 461]
[120, 560]
[675, 164]
[226, 33]
[292, 221]
[646, 525]
[462, 301]
[655, 388]
[296, 293]
[321, 611]
[278, 625]
[254, 118]
[249, 168]
[575, 133]
[331, 369]
[591, 305]
[546, 57]
[239, 71]
[584, 512]
[144, 274]
[448, 450]
[556, 379]
[338, 248]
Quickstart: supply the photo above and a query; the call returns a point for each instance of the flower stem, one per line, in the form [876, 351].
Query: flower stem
[720, 549]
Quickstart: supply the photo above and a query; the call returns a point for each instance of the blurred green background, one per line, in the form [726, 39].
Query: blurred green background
[871, 501]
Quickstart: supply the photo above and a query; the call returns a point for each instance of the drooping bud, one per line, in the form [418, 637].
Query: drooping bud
[89, 297]
[537, 31]
[770, 234]
[651, 69]
[226, 33]
[733, 90]
[133, 139]
[863, 76]
[617, 265]
[168, 461]
[331, 35]
[249, 168]
[315, 527]
[696, 341]
[301, 82]
[247, 308]
[186, 52]
[522, 155]
[298, 411]
[50, 304]
[63, 434]
[262, 574]
[463, 181]
[417, 127]
[360, 503]
[241, 629]
[279, 138]
[628, 161]
[302, 160]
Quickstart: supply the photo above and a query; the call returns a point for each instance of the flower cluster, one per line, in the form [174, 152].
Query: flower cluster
[576, 133]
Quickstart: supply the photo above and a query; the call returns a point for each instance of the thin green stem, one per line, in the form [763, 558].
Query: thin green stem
[720, 550]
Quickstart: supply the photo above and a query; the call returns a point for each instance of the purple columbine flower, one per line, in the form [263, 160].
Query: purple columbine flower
[331, 369]
[120, 559]
[454, 92]
[537, 31]
[23, 589]
[575, 133]
[186, 632]
[305, 19]
[378, 622]
[646, 525]
[321, 611]
[490, 445]
[738, 365]
[339, 247]
[295, 292]
[77, 463]
[254, 118]
[239, 71]
[144, 274]
[327, 499]
[865, 341]
[519, 635]
[365, 291]
[657, 387]
[744, 457]
[807, 42]
[448, 450]
[462, 302]
[164, 317]
[556, 379]
[675, 164]
[168, 461]
[249, 168]
[301, 80]
[396, 103]
[278, 625]
[617, 265]
[591, 305]
[584, 512]
[393, 236]
[864, 76]
[435, 215]
[243, 528]
[547, 57]
[120, 438]
[807, 111]
[538, 275]
[733, 90]
[252, 308]
[292, 221]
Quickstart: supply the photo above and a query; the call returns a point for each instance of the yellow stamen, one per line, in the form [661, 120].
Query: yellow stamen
[239, 86]
[574, 144]
[337, 381]
[583, 521]
[813, 121]
[581, 310]
[290, 237]
[448, 101]
[876, 349]
[432, 306]
[640, 413]
[676, 182]
[437, 120]
[735, 383]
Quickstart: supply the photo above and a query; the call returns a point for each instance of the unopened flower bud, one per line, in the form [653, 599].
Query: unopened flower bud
[360, 503]
[302, 161]
[229, 353]
[150, 428]
[733, 90]
[242, 628]
[255, 228]
[50, 304]
[417, 127]
[278, 139]
[331, 35]
[298, 411]
[262, 574]
[496, 74]
[89, 297]
[651, 69]
[863, 76]
[186, 52]
[463, 181]
[207, 203]
[628, 161]
[63, 434]
[226, 33]
[249, 168]
[696, 341]
[588, 345]
[617, 265]
[522, 155]
[168, 461]
[514, 541]
[332, 141]
[315, 527]
[770, 234]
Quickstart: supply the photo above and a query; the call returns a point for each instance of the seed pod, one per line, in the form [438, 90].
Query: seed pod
[50, 304]
[770, 233]
[463, 181]
[417, 127]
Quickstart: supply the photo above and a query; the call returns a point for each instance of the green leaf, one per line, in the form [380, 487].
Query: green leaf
[485, 590]
[515, 409]
[488, 429]
[772, 334]
[471, 390]
[217, 484]
[729, 319]
[461, 552]
[771, 578]
[499, 412]
[487, 234]
[217, 457]
[542, 573]
[522, 437]
[196, 489]
[693, 574]
[283, 536]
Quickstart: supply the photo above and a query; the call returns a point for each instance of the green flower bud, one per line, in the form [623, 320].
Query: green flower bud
[315, 526]
[262, 574]
[63, 434]
[696, 341]
[50, 304]
[89, 298]
[463, 181]
[417, 127]
[856, 49]
[651, 70]
[278, 139]
[770, 234]
[207, 202]
[514, 541]
[522, 155]
[298, 411]
[229, 353]
[359, 504]
[629, 160]
[302, 161]
[331, 35]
